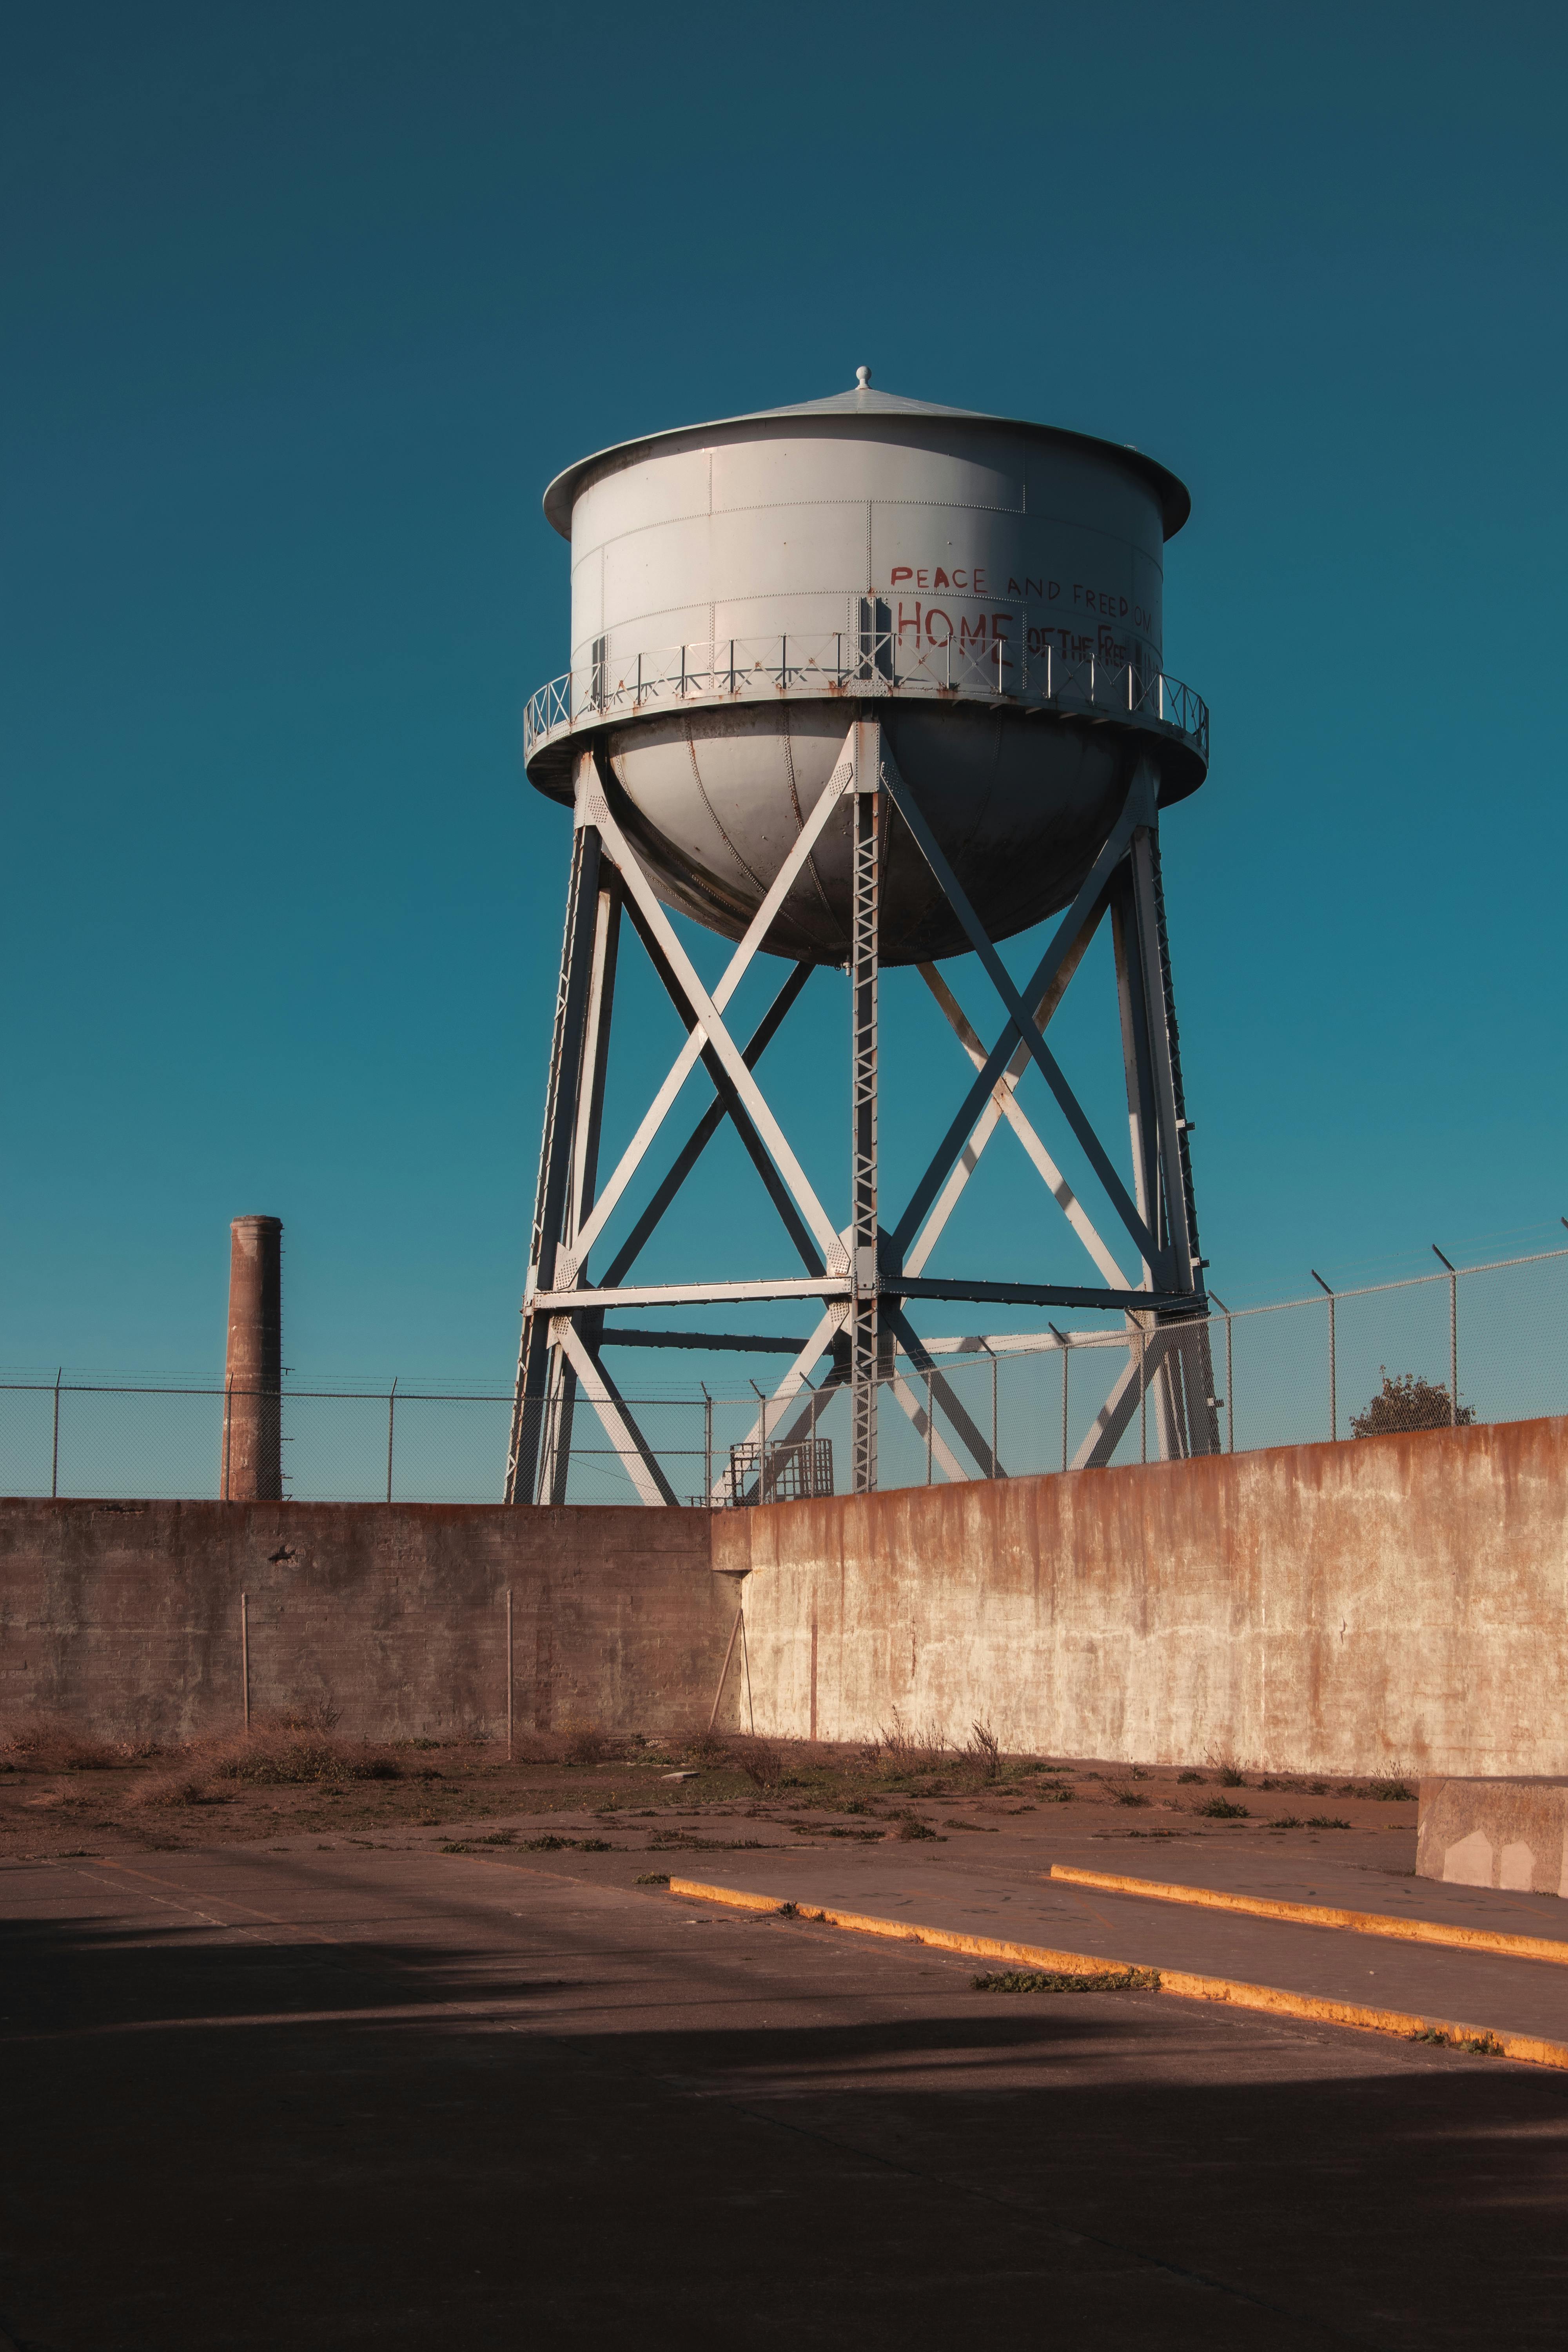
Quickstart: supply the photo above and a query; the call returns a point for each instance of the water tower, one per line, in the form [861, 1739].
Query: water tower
[860, 683]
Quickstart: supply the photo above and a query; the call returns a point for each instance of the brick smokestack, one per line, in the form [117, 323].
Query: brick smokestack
[253, 1385]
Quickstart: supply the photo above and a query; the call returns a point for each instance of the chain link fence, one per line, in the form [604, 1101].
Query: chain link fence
[1487, 1343]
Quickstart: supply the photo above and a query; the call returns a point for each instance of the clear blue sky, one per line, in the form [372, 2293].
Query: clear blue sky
[303, 306]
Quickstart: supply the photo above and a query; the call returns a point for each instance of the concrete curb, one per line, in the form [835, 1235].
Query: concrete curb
[1312, 1915]
[1528, 2048]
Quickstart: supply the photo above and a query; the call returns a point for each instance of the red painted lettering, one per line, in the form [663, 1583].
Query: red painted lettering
[901, 571]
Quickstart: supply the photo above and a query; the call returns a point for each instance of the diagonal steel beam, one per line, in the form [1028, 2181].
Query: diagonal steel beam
[942, 1390]
[730, 1104]
[622, 1430]
[702, 1134]
[989, 1118]
[1005, 1104]
[794, 1380]
[1002, 981]
[924, 1426]
[709, 1027]
[1140, 798]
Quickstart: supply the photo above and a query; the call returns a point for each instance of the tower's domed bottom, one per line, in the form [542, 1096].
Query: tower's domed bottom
[1020, 801]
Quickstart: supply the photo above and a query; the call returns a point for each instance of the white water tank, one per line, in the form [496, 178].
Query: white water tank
[994, 587]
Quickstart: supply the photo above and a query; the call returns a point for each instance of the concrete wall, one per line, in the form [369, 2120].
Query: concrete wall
[126, 1616]
[1392, 1602]
[1397, 1602]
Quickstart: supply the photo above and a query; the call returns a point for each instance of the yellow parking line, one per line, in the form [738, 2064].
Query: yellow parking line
[1180, 1981]
[1313, 1914]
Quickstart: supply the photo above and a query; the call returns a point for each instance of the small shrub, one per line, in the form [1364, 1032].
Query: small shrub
[1130, 1797]
[1485, 2046]
[51, 1745]
[1405, 1400]
[286, 1755]
[1056, 1796]
[761, 1763]
[1326, 1822]
[1063, 1980]
[910, 1828]
[1189, 1776]
[180, 1787]
[1285, 1822]
[986, 1749]
[921, 1751]
[1220, 1808]
[1231, 1776]
[1392, 1792]
[654, 1878]
[705, 1749]
[585, 1745]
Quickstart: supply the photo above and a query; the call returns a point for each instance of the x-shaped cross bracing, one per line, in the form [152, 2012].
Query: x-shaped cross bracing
[572, 1309]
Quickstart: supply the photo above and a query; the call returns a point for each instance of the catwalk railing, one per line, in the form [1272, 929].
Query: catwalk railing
[1028, 663]
[1484, 1343]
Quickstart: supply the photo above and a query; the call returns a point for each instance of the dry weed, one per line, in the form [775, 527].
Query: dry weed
[759, 1760]
[704, 1748]
[923, 1748]
[52, 1744]
[585, 1744]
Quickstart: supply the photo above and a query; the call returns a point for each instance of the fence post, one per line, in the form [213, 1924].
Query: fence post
[245, 1656]
[1061, 1339]
[1216, 1300]
[391, 1409]
[930, 1427]
[992, 1413]
[707, 1444]
[1142, 1394]
[1229, 1392]
[510, 1677]
[1453, 1336]
[55, 1457]
[227, 1423]
[1333, 1358]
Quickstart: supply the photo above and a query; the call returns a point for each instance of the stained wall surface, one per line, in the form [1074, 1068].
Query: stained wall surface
[1398, 1601]
[127, 1615]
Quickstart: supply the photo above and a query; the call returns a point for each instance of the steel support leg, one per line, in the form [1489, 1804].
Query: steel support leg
[552, 1198]
[863, 979]
[1180, 1377]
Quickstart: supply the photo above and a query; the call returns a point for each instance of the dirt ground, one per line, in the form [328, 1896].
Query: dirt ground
[63, 1795]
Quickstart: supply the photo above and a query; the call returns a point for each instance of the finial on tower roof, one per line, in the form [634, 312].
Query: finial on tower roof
[862, 379]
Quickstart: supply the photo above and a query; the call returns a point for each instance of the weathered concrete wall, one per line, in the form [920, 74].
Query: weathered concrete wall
[1392, 1602]
[1495, 1834]
[127, 1616]
[1399, 1602]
